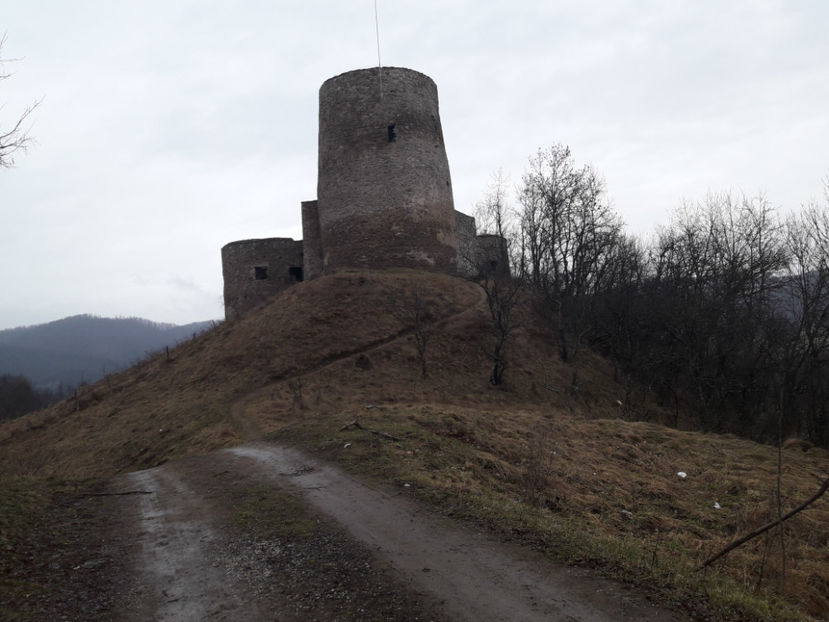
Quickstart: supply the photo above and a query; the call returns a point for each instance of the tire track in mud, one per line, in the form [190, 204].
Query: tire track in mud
[474, 577]
[176, 579]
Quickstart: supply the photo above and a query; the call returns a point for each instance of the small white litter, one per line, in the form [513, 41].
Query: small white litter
[347, 445]
[717, 506]
[682, 475]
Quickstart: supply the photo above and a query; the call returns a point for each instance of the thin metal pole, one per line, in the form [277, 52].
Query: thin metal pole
[379, 62]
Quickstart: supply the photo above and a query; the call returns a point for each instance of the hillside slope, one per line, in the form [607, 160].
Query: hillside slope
[331, 364]
[332, 340]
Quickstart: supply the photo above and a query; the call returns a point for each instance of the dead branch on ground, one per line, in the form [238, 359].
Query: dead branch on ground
[766, 527]
[117, 494]
[356, 424]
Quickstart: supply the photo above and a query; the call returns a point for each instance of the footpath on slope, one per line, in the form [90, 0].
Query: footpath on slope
[192, 561]
[249, 431]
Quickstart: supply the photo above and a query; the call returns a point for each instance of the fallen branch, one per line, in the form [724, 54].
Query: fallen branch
[117, 494]
[356, 424]
[768, 526]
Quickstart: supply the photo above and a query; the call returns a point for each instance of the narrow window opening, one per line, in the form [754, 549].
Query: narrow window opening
[392, 132]
[260, 273]
[295, 272]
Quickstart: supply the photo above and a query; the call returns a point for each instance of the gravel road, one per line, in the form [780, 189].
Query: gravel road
[197, 538]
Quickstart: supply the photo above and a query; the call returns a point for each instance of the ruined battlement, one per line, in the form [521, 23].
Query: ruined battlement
[255, 270]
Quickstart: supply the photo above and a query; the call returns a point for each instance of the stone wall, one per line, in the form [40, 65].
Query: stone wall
[384, 190]
[255, 270]
[479, 255]
[467, 256]
[492, 255]
[312, 244]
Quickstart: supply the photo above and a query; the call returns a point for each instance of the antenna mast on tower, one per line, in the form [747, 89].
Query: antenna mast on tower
[379, 63]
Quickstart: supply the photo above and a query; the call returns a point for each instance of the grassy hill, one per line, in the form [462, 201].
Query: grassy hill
[550, 459]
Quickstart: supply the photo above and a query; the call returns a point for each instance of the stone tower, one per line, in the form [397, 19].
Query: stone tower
[256, 270]
[384, 194]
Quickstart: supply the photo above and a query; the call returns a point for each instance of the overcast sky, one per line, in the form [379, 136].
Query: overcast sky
[168, 128]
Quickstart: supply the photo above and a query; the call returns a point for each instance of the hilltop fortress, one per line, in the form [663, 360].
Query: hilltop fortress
[384, 195]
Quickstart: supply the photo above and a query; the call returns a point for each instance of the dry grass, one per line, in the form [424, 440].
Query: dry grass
[543, 459]
[612, 499]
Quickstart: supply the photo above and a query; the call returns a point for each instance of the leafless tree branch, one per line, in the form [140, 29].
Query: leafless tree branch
[767, 526]
[17, 137]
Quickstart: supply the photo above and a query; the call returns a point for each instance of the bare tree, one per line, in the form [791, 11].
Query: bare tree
[492, 213]
[502, 299]
[568, 235]
[411, 310]
[715, 271]
[16, 137]
[805, 383]
[495, 216]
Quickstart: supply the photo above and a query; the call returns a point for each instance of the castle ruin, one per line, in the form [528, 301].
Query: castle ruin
[384, 195]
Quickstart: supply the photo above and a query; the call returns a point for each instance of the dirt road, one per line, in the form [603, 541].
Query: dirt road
[221, 537]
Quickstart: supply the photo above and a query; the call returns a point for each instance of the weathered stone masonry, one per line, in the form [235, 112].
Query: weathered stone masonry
[255, 270]
[384, 190]
[384, 195]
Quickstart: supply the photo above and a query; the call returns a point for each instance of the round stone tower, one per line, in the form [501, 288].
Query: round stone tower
[383, 189]
[256, 270]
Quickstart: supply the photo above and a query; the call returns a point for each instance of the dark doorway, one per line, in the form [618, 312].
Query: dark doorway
[295, 272]
[260, 273]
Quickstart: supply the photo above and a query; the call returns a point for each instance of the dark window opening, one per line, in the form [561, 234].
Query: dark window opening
[493, 265]
[260, 273]
[392, 132]
[295, 272]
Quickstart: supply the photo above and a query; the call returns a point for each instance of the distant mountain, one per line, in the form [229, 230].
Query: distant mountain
[84, 348]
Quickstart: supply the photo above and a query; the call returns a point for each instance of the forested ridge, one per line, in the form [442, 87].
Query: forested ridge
[46, 361]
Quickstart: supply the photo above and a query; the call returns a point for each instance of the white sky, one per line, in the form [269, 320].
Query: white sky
[169, 128]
